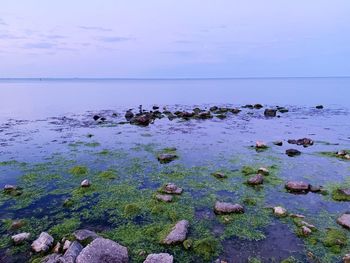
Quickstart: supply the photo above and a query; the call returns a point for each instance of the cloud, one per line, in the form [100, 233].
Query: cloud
[2, 22]
[113, 39]
[54, 36]
[95, 28]
[40, 45]
[10, 36]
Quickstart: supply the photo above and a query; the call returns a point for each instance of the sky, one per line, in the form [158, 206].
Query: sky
[174, 38]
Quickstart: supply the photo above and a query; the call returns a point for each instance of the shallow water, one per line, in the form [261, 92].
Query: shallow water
[44, 131]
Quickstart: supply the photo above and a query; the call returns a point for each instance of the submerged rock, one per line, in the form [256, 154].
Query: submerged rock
[164, 198]
[103, 250]
[292, 152]
[178, 233]
[256, 180]
[166, 157]
[227, 208]
[159, 258]
[270, 113]
[20, 238]
[42, 243]
[72, 253]
[294, 186]
[84, 234]
[344, 220]
[171, 188]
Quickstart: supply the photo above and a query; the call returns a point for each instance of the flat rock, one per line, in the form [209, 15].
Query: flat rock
[227, 208]
[20, 238]
[72, 253]
[171, 188]
[42, 243]
[164, 198]
[294, 186]
[292, 152]
[166, 157]
[84, 234]
[178, 233]
[159, 258]
[103, 250]
[256, 180]
[344, 220]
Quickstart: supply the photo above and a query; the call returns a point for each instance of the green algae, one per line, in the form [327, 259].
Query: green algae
[64, 229]
[207, 247]
[108, 174]
[335, 240]
[79, 170]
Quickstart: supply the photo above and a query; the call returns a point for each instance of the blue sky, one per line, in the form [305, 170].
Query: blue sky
[180, 39]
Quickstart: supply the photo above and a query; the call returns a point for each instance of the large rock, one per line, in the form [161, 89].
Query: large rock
[20, 238]
[292, 152]
[270, 112]
[178, 233]
[159, 258]
[143, 119]
[84, 234]
[171, 188]
[227, 208]
[42, 243]
[166, 157]
[294, 186]
[256, 180]
[344, 220]
[103, 250]
[72, 253]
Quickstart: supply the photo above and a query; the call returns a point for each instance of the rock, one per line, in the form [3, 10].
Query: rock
[316, 188]
[214, 108]
[42, 243]
[56, 249]
[296, 216]
[344, 220]
[143, 119]
[84, 234]
[52, 258]
[342, 153]
[164, 198]
[346, 258]
[9, 187]
[257, 106]
[16, 224]
[219, 175]
[270, 113]
[282, 109]
[171, 188]
[319, 107]
[310, 226]
[305, 231]
[129, 115]
[85, 183]
[346, 156]
[304, 142]
[263, 171]
[166, 157]
[260, 145]
[227, 208]
[256, 180]
[20, 238]
[72, 253]
[294, 186]
[344, 191]
[159, 258]
[278, 143]
[96, 117]
[235, 111]
[280, 211]
[66, 245]
[292, 152]
[205, 115]
[103, 250]
[155, 107]
[178, 233]
[12, 190]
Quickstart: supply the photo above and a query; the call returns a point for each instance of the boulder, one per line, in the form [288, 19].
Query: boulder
[84, 234]
[72, 253]
[103, 250]
[66, 245]
[270, 113]
[20, 238]
[294, 186]
[164, 198]
[143, 119]
[85, 183]
[159, 258]
[177, 234]
[171, 188]
[344, 220]
[292, 152]
[42, 243]
[227, 208]
[166, 157]
[280, 211]
[256, 180]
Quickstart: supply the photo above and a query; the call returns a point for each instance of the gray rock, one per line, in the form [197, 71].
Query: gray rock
[85, 183]
[178, 233]
[227, 208]
[294, 186]
[166, 157]
[72, 253]
[103, 250]
[256, 180]
[84, 234]
[278, 143]
[164, 198]
[270, 113]
[260, 145]
[263, 171]
[159, 258]
[171, 188]
[52, 258]
[42, 243]
[20, 238]
[344, 220]
[292, 152]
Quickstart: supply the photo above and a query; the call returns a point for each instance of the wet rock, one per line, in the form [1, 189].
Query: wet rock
[294, 186]
[227, 208]
[263, 171]
[164, 198]
[256, 180]
[42, 243]
[221, 116]
[85, 183]
[72, 253]
[20, 238]
[143, 119]
[12, 190]
[205, 115]
[155, 107]
[178, 233]
[84, 234]
[103, 250]
[214, 108]
[344, 191]
[304, 142]
[342, 153]
[171, 188]
[278, 143]
[235, 111]
[96, 117]
[129, 115]
[282, 109]
[270, 113]
[296, 216]
[319, 107]
[166, 157]
[219, 175]
[344, 220]
[260, 145]
[292, 152]
[280, 211]
[258, 106]
[305, 231]
[248, 106]
[159, 258]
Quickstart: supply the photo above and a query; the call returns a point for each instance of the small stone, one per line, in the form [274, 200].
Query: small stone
[347, 157]
[52, 258]
[306, 231]
[279, 211]
[20, 238]
[66, 245]
[10, 187]
[227, 208]
[85, 183]
[164, 198]
[294, 186]
[171, 188]
[278, 143]
[42, 243]
[341, 153]
[12, 190]
[159, 258]
[178, 233]
[219, 175]
[260, 145]
[292, 152]
[308, 225]
[166, 157]
[263, 171]
[84, 234]
[344, 220]
[256, 180]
